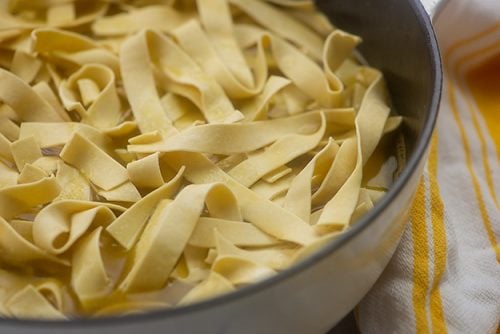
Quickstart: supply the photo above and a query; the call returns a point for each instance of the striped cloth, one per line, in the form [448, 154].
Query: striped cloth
[445, 275]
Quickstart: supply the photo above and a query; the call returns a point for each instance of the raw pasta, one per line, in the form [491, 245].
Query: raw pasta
[156, 153]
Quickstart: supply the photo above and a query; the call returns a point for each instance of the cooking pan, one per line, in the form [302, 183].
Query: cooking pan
[314, 295]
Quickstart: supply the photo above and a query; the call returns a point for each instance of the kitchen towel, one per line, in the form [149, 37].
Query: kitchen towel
[445, 274]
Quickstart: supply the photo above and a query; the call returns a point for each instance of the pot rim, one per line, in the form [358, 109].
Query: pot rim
[408, 171]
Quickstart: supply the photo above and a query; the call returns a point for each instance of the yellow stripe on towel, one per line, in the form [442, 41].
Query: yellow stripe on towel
[420, 259]
[482, 101]
[468, 159]
[438, 240]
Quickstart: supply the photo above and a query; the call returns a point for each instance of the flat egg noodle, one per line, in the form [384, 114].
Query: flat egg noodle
[148, 146]
[102, 109]
[169, 230]
[59, 225]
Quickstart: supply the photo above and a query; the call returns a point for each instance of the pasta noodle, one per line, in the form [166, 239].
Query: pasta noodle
[158, 153]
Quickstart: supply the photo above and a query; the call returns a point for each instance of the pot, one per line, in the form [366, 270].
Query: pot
[314, 295]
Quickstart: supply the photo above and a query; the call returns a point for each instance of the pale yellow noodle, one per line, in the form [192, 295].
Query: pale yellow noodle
[99, 105]
[31, 173]
[174, 148]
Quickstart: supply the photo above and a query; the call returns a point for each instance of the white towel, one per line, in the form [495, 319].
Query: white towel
[445, 275]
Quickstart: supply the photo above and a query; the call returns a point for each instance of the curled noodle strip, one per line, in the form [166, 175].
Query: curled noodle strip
[274, 258]
[49, 135]
[239, 233]
[238, 270]
[234, 138]
[31, 173]
[181, 75]
[57, 13]
[57, 226]
[159, 153]
[25, 151]
[370, 122]
[163, 241]
[16, 250]
[264, 214]
[213, 285]
[235, 85]
[96, 86]
[127, 227]
[298, 197]
[88, 277]
[281, 24]
[71, 48]
[30, 303]
[21, 198]
[94, 162]
[74, 186]
[152, 17]
[29, 106]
